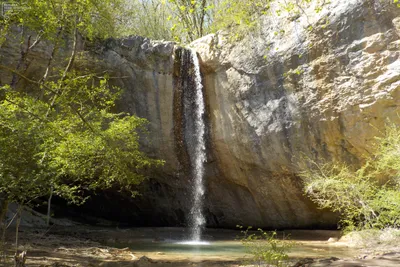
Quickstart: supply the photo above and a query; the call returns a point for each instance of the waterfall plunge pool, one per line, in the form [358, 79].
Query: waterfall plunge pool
[172, 244]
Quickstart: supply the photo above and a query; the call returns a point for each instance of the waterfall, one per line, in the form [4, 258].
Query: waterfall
[189, 133]
[198, 154]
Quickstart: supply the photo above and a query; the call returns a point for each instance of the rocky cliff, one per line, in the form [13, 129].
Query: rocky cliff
[285, 92]
[324, 92]
[282, 93]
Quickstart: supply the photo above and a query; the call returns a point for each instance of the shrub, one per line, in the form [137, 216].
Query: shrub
[266, 248]
[366, 197]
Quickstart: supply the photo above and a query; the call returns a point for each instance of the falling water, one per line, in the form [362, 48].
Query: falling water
[189, 131]
[193, 127]
[198, 158]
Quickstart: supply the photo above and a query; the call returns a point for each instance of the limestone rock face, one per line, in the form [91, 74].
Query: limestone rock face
[289, 91]
[285, 92]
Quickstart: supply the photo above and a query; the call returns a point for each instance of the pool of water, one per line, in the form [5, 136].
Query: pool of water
[212, 250]
[225, 245]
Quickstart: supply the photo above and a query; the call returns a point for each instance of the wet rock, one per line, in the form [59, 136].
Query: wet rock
[143, 262]
[304, 262]
[329, 260]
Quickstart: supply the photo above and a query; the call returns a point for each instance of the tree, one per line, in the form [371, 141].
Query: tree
[58, 134]
[240, 16]
[149, 18]
[190, 18]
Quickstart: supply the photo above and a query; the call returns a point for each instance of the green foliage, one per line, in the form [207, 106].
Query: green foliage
[106, 155]
[244, 17]
[386, 158]
[179, 20]
[240, 17]
[367, 197]
[190, 19]
[150, 18]
[75, 144]
[58, 134]
[20, 137]
[266, 248]
[92, 18]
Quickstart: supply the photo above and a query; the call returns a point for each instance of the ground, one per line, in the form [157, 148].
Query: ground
[85, 246]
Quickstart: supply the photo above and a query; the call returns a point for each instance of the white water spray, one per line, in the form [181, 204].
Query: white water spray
[197, 219]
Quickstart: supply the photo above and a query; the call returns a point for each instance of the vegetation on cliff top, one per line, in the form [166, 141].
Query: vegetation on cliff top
[179, 20]
[186, 20]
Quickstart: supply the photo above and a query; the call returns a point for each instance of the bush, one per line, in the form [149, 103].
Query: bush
[266, 248]
[366, 197]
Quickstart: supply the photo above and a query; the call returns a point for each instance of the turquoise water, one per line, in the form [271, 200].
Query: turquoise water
[169, 243]
[214, 248]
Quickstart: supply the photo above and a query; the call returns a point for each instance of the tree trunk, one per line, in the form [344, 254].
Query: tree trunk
[49, 208]
[19, 259]
[17, 228]
[3, 210]
[3, 225]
